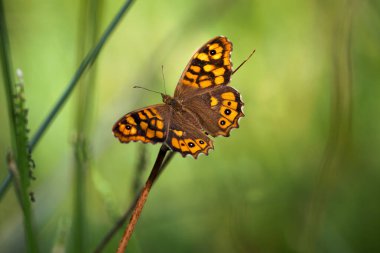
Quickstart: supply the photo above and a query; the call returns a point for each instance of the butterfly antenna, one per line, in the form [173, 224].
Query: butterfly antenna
[244, 62]
[163, 77]
[139, 87]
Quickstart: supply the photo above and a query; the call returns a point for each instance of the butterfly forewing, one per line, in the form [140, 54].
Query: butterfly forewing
[148, 124]
[209, 67]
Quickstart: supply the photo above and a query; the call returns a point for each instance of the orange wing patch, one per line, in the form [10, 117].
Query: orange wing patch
[145, 125]
[210, 65]
[187, 143]
[230, 111]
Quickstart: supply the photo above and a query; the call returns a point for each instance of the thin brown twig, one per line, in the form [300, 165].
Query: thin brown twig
[128, 212]
[142, 199]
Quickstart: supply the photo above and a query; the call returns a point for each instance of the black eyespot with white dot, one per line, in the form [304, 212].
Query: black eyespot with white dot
[227, 111]
[201, 142]
[128, 127]
[222, 122]
[212, 52]
[191, 145]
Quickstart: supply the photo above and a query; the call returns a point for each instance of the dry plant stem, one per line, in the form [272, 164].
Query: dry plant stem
[142, 199]
[128, 212]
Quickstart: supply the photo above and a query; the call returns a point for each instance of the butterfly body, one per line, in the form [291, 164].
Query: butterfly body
[172, 102]
[202, 105]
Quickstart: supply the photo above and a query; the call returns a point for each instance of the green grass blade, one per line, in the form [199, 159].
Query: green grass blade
[19, 158]
[90, 18]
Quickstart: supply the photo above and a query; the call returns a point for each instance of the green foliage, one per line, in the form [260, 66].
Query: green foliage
[301, 174]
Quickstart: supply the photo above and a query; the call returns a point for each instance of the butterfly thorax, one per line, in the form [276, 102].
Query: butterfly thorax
[172, 102]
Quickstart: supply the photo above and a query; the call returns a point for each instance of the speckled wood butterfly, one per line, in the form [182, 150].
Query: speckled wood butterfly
[202, 105]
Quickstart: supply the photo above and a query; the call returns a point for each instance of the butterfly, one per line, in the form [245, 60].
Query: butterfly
[203, 105]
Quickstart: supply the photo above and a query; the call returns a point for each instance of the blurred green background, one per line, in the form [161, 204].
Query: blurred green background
[301, 174]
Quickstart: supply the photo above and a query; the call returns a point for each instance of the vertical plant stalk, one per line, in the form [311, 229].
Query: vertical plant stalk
[18, 160]
[338, 143]
[90, 18]
[142, 199]
[77, 236]
[7, 70]
[23, 165]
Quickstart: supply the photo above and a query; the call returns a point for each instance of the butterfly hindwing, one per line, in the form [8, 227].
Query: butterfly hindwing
[185, 138]
[148, 125]
[210, 66]
[225, 107]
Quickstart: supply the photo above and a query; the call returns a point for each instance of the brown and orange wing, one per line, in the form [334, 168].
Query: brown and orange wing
[224, 109]
[148, 125]
[210, 66]
[187, 138]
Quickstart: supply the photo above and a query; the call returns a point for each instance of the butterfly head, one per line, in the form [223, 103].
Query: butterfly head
[174, 103]
[167, 99]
